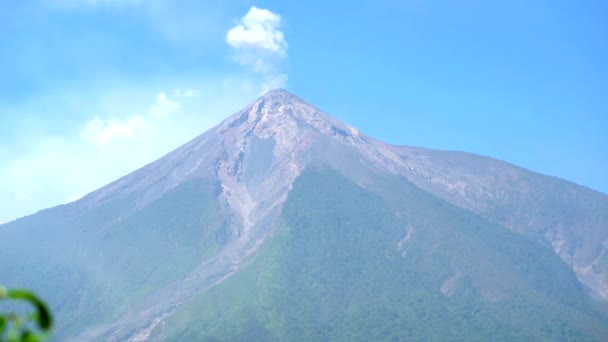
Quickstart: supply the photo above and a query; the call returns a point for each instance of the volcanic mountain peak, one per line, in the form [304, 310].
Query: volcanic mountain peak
[269, 136]
[264, 147]
[254, 157]
[279, 112]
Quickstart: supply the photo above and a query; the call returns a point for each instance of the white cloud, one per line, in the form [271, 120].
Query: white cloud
[164, 106]
[259, 44]
[100, 132]
[259, 30]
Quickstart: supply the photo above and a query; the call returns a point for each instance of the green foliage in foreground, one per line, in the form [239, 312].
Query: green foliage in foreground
[17, 328]
[333, 272]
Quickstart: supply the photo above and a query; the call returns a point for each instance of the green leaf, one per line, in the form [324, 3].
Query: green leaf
[43, 317]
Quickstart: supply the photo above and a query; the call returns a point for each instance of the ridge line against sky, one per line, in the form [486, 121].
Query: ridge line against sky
[93, 89]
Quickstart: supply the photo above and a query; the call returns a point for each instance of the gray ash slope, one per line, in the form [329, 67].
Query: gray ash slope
[125, 258]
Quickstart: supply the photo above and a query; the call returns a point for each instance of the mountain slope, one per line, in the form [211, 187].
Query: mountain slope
[339, 269]
[125, 260]
[571, 218]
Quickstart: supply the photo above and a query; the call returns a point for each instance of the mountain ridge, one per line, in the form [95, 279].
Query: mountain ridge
[248, 164]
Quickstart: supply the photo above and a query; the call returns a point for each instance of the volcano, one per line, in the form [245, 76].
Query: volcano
[283, 223]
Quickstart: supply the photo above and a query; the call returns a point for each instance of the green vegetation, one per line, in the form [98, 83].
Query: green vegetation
[115, 257]
[333, 271]
[338, 267]
[33, 327]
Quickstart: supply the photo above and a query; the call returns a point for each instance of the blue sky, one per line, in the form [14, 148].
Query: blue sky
[92, 89]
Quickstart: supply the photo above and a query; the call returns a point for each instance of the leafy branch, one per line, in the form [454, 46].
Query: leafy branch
[34, 327]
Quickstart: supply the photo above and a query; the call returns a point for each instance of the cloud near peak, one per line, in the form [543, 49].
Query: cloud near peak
[100, 132]
[259, 30]
[260, 45]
